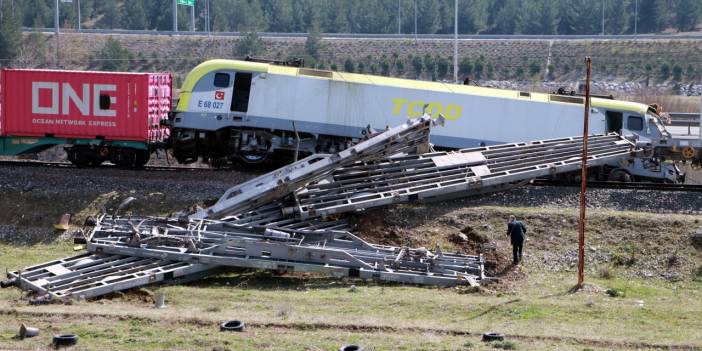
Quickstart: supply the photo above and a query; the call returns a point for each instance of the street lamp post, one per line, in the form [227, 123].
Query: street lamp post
[175, 16]
[56, 32]
[455, 41]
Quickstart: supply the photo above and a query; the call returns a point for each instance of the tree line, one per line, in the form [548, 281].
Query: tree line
[375, 16]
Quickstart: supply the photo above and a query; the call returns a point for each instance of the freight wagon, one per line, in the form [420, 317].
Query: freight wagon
[98, 116]
[252, 111]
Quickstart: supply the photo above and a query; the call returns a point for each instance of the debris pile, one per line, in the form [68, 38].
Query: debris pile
[291, 219]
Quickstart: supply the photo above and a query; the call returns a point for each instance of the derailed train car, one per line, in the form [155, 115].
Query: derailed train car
[253, 111]
[98, 116]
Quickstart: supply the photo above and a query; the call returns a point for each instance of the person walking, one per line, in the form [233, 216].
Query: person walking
[516, 230]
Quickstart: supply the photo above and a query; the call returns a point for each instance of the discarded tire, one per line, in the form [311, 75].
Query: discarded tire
[493, 337]
[351, 348]
[65, 340]
[8, 283]
[233, 325]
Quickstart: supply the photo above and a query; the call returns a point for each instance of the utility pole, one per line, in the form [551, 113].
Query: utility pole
[399, 17]
[207, 15]
[636, 16]
[56, 32]
[583, 178]
[175, 16]
[603, 6]
[455, 41]
[415, 21]
[192, 16]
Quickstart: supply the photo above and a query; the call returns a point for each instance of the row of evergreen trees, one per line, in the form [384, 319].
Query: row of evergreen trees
[376, 16]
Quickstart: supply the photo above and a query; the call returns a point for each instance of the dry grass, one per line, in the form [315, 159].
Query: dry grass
[670, 103]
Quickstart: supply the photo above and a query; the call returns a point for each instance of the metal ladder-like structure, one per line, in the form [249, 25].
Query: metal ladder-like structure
[291, 219]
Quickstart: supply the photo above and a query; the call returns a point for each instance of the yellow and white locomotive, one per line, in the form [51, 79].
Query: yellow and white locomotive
[254, 111]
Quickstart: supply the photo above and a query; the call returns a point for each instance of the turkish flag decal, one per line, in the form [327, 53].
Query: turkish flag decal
[219, 95]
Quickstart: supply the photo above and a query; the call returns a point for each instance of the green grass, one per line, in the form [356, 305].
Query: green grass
[318, 313]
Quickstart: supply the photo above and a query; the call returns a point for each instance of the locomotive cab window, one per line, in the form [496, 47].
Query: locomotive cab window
[634, 123]
[221, 80]
[242, 90]
[614, 122]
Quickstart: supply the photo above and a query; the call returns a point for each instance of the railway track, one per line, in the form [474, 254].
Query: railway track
[535, 182]
[623, 185]
[33, 163]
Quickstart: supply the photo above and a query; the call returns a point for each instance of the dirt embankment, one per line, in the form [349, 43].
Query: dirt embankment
[631, 244]
[651, 239]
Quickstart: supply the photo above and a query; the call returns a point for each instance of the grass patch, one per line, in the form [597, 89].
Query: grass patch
[504, 345]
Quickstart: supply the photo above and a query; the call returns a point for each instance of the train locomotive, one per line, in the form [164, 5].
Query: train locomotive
[255, 111]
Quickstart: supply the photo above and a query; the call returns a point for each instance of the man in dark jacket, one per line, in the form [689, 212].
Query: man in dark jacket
[516, 230]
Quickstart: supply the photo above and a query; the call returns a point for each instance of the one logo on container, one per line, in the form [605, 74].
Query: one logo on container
[93, 95]
[219, 95]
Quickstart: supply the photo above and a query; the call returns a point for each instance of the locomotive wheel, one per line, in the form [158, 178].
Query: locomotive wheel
[688, 152]
[619, 176]
[254, 157]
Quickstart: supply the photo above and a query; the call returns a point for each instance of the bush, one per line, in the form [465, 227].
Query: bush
[250, 45]
[442, 66]
[604, 273]
[349, 65]
[465, 66]
[113, 57]
[400, 67]
[384, 66]
[677, 72]
[665, 71]
[534, 68]
[417, 65]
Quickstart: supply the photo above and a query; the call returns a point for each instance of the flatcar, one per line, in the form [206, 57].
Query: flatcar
[97, 116]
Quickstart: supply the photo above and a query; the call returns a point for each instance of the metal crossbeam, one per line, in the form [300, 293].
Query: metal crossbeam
[336, 253]
[412, 136]
[92, 275]
[281, 221]
[444, 175]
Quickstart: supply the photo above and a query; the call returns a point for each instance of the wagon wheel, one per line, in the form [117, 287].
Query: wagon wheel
[688, 152]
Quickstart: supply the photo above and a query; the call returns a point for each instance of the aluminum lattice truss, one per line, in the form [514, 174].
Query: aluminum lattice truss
[282, 220]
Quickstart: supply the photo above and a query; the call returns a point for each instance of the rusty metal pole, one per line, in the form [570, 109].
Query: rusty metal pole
[583, 177]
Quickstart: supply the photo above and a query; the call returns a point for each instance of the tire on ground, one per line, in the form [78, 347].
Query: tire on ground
[493, 337]
[65, 340]
[232, 325]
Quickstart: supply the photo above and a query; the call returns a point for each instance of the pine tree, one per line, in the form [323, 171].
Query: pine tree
[313, 44]
[686, 14]
[10, 35]
[112, 16]
[134, 14]
[278, 14]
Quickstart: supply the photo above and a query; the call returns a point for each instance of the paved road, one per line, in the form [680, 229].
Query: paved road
[696, 36]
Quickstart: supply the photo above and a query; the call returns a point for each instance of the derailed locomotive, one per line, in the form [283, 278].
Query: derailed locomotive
[253, 111]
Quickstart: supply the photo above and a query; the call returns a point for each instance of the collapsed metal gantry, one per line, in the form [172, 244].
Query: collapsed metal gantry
[282, 220]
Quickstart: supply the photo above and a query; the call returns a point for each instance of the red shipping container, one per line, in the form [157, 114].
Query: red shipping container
[85, 105]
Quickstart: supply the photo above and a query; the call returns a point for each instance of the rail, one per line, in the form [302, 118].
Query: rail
[623, 185]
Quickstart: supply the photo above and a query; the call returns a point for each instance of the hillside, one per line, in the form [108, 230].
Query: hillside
[666, 62]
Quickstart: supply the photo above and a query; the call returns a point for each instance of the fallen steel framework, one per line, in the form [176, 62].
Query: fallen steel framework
[283, 220]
